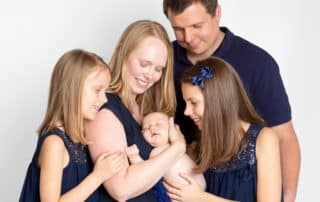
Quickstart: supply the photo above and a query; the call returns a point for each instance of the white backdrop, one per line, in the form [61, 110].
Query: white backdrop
[35, 33]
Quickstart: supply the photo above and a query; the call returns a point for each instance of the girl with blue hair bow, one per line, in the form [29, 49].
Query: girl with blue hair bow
[239, 156]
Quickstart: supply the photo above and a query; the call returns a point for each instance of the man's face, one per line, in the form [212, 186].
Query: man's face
[195, 29]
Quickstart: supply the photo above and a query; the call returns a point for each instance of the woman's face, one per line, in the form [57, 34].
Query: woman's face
[145, 64]
[194, 100]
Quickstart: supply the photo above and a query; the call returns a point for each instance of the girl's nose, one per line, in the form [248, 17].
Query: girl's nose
[187, 110]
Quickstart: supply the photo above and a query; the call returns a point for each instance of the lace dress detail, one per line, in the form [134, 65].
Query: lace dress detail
[246, 156]
[237, 178]
[77, 151]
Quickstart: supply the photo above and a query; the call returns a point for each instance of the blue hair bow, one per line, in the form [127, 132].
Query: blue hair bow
[206, 73]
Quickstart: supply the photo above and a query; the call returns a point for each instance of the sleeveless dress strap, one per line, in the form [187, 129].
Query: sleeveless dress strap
[131, 127]
[76, 151]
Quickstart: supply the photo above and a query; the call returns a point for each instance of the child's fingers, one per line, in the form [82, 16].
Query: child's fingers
[118, 159]
[187, 177]
[119, 163]
[101, 157]
[172, 184]
[109, 159]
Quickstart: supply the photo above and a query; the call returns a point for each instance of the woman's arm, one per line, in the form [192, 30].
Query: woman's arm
[190, 192]
[107, 135]
[185, 165]
[269, 169]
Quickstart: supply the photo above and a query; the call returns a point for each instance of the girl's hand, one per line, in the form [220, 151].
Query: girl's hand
[179, 192]
[108, 165]
[175, 135]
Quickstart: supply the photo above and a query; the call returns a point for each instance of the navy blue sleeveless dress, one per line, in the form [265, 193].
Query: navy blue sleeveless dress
[237, 179]
[134, 136]
[78, 168]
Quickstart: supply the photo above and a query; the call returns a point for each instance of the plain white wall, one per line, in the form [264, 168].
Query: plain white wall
[34, 34]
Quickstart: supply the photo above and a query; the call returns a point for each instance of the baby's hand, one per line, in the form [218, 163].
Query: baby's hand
[108, 165]
[132, 150]
[133, 154]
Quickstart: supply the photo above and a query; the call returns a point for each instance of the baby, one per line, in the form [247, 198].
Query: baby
[155, 128]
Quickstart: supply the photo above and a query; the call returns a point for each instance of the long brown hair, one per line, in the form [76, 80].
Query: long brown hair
[65, 95]
[226, 105]
[160, 96]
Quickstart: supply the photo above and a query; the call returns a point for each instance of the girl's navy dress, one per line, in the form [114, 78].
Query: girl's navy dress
[237, 179]
[134, 136]
[78, 168]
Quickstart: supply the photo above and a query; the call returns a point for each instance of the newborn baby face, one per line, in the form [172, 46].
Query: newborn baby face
[155, 127]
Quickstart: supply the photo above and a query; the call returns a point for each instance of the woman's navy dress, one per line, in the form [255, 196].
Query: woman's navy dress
[134, 136]
[77, 169]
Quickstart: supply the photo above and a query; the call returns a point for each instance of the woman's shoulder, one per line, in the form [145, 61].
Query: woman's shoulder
[112, 99]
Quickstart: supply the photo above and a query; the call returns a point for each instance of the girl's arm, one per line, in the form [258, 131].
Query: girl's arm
[54, 157]
[107, 135]
[269, 169]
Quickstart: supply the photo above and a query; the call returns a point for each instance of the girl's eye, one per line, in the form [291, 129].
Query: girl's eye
[159, 70]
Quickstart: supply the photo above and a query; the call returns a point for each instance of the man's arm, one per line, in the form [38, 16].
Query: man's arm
[290, 159]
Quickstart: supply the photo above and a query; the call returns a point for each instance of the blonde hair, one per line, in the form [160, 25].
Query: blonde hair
[160, 96]
[225, 103]
[66, 88]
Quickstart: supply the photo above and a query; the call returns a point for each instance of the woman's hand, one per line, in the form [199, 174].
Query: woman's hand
[176, 136]
[179, 192]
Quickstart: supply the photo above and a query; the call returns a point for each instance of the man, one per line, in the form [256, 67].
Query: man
[198, 36]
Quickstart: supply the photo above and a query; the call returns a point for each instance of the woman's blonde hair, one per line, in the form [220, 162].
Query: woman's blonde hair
[225, 104]
[160, 96]
[64, 107]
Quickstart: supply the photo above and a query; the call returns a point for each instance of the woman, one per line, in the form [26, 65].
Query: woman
[142, 82]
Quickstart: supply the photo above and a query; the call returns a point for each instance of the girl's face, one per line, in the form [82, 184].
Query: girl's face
[145, 64]
[194, 100]
[155, 129]
[94, 89]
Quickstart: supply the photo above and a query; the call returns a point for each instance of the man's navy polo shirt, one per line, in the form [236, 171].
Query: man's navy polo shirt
[258, 71]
